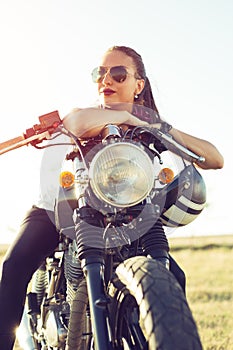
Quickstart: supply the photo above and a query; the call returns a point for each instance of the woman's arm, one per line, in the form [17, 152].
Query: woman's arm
[213, 158]
[89, 122]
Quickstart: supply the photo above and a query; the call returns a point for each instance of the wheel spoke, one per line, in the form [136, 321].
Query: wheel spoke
[129, 327]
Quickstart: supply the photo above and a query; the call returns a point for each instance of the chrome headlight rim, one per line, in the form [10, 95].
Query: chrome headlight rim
[139, 150]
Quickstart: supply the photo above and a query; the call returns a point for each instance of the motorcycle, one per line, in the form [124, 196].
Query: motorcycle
[101, 289]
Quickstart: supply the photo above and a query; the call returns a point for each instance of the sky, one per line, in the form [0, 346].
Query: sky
[49, 47]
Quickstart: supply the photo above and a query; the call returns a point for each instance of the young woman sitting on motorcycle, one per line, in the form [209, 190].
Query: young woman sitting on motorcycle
[125, 99]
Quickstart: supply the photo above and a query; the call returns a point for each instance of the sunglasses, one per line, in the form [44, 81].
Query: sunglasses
[117, 73]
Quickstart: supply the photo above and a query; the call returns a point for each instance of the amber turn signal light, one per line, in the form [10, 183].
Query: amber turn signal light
[66, 179]
[166, 175]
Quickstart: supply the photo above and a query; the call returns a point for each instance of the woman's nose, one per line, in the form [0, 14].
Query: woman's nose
[107, 79]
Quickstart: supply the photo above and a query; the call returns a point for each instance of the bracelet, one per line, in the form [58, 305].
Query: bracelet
[165, 127]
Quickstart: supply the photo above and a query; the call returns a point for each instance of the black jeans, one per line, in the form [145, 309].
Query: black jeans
[37, 239]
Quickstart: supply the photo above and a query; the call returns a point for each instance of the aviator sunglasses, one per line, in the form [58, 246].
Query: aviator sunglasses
[117, 73]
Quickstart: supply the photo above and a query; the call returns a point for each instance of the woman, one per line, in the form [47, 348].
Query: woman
[125, 99]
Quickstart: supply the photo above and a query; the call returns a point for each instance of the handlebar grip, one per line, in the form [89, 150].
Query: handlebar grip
[12, 143]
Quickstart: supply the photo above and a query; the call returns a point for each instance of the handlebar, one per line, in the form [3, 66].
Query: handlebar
[48, 124]
[176, 147]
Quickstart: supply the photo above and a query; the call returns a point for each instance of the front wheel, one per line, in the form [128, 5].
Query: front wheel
[149, 309]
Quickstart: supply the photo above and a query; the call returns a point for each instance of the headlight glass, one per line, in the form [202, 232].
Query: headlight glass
[121, 174]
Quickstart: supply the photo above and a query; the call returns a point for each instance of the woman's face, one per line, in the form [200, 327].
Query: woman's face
[111, 91]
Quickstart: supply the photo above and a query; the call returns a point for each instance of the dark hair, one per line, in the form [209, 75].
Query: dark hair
[146, 96]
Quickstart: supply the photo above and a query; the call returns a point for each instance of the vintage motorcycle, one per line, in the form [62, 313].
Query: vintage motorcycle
[101, 289]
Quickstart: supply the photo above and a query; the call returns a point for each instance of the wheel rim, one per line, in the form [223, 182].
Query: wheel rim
[128, 330]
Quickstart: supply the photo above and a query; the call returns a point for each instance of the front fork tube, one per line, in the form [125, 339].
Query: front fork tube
[93, 269]
[93, 264]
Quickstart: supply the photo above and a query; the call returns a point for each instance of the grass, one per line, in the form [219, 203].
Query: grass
[208, 265]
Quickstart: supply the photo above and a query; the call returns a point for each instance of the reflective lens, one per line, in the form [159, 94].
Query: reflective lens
[122, 174]
[118, 73]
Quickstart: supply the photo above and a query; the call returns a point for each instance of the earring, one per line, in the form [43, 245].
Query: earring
[136, 96]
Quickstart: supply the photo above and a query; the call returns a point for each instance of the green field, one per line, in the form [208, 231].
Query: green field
[208, 264]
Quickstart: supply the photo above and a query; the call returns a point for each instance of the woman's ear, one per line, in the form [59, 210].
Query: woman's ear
[139, 86]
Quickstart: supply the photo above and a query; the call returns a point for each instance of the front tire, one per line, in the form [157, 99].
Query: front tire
[149, 309]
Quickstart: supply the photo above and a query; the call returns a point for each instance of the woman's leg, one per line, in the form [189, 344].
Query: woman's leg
[36, 240]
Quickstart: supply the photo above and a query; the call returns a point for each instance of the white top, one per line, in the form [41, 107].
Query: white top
[51, 166]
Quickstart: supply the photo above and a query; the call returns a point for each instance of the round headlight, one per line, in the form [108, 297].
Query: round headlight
[121, 174]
